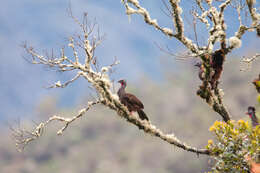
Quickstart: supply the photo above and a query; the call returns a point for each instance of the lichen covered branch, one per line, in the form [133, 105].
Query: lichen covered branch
[24, 137]
[67, 121]
[176, 18]
[235, 41]
[212, 60]
[246, 62]
[147, 18]
[113, 103]
[99, 80]
[59, 85]
[255, 16]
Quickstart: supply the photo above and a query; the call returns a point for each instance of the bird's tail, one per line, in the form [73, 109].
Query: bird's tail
[142, 115]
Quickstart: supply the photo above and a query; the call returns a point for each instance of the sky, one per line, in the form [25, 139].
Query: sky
[45, 24]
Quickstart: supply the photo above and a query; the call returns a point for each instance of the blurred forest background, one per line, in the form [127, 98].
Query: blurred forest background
[101, 142]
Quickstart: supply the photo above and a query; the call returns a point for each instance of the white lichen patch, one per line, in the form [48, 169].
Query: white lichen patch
[82, 111]
[115, 96]
[179, 9]
[235, 42]
[130, 11]
[167, 31]
[70, 45]
[104, 69]
[58, 84]
[221, 92]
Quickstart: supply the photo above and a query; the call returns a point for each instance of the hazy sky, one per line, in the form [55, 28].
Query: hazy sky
[45, 24]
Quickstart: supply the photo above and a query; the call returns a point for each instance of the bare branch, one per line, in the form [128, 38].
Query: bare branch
[178, 56]
[198, 2]
[71, 44]
[23, 137]
[67, 121]
[59, 85]
[248, 61]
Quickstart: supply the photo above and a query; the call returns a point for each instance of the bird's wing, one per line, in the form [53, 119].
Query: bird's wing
[133, 100]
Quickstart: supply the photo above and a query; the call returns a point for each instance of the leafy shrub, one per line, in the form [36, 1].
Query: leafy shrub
[235, 143]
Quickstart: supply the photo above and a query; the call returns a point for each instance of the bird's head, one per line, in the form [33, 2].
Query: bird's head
[250, 111]
[122, 82]
[256, 82]
[198, 64]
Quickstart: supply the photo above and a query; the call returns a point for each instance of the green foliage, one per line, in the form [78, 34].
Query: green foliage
[235, 143]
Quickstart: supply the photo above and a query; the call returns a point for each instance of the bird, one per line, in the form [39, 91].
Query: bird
[132, 103]
[251, 113]
[216, 62]
[256, 82]
[201, 70]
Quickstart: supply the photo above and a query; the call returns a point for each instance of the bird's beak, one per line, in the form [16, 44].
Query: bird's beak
[246, 113]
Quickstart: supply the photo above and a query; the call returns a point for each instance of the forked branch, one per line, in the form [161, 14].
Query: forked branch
[212, 60]
[23, 137]
[99, 80]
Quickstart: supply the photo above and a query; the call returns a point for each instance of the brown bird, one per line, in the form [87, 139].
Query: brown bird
[256, 82]
[201, 70]
[251, 113]
[132, 103]
[216, 61]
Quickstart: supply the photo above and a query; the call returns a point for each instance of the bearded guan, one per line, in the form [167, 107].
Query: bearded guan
[251, 113]
[201, 70]
[132, 103]
[256, 82]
